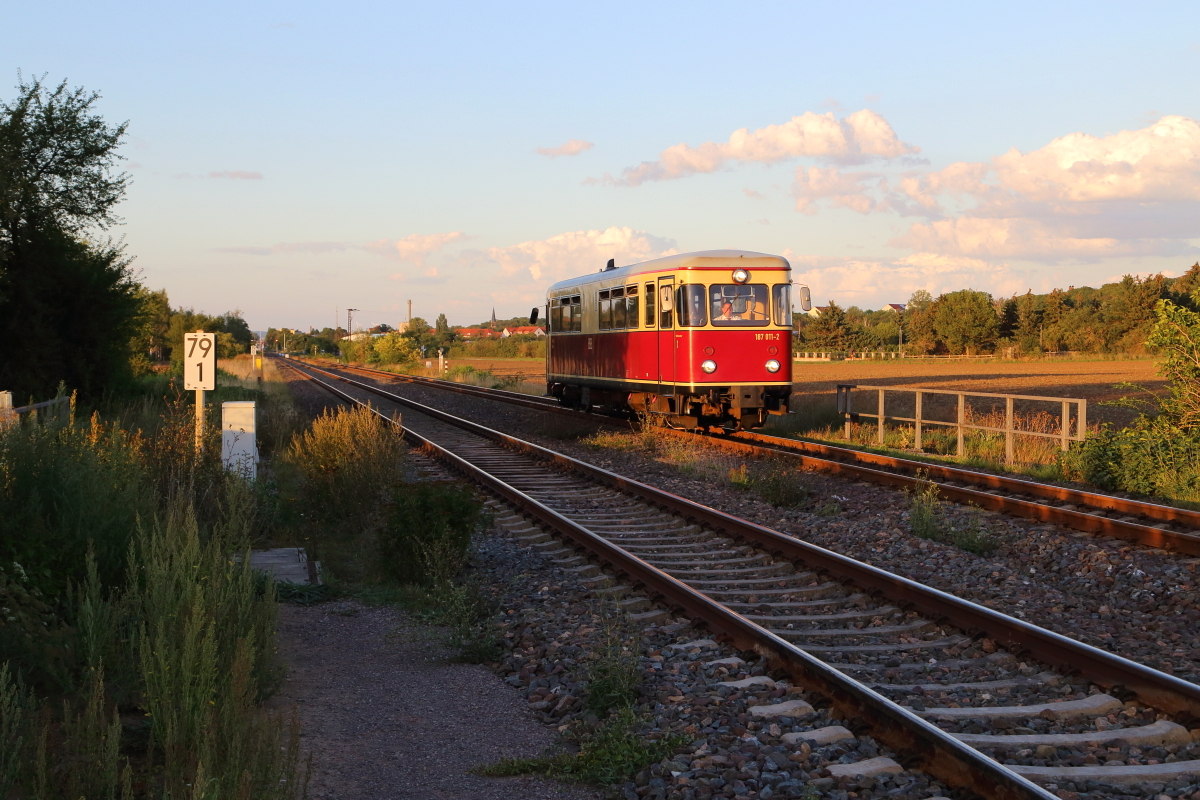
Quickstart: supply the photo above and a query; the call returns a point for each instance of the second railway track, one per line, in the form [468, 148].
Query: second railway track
[938, 679]
[1148, 524]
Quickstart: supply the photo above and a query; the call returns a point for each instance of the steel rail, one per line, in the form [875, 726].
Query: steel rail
[918, 742]
[1151, 686]
[833, 460]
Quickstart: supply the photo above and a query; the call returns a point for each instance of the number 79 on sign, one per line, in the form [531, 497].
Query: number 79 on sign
[200, 361]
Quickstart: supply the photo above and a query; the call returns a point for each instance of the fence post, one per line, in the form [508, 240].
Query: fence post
[1008, 430]
[881, 391]
[917, 417]
[1066, 423]
[1081, 423]
[962, 420]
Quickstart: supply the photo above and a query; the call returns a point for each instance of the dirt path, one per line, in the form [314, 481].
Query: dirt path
[386, 714]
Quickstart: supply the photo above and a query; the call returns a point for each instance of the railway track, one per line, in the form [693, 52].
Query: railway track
[1147, 524]
[953, 688]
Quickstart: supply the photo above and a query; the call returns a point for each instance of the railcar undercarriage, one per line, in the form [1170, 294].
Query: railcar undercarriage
[731, 407]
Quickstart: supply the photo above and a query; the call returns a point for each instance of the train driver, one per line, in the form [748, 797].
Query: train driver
[727, 310]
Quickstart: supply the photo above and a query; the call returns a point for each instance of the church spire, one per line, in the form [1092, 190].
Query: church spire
[493, 316]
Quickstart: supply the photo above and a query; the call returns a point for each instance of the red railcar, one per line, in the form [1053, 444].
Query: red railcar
[697, 339]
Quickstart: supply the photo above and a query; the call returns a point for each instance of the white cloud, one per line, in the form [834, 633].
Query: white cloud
[415, 247]
[1079, 197]
[855, 139]
[872, 283]
[577, 253]
[841, 189]
[571, 147]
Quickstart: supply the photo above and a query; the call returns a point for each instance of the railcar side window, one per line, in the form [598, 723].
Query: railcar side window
[618, 308]
[631, 306]
[781, 302]
[605, 310]
[556, 315]
[649, 305]
[689, 299]
[664, 304]
[576, 314]
[734, 304]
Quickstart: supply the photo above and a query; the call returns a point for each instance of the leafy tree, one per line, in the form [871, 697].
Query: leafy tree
[418, 334]
[918, 322]
[830, 329]
[1028, 328]
[69, 305]
[56, 163]
[68, 313]
[965, 320]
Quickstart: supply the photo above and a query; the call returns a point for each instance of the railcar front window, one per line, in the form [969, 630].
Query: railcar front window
[738, 304]
[690, 301]
[631, 306]
[618, 308]
[781, 302]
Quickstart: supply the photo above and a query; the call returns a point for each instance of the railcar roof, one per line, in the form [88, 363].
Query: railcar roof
[679, 261]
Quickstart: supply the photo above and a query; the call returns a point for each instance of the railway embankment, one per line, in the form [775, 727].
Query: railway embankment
[1120, 597]
[1142, 748]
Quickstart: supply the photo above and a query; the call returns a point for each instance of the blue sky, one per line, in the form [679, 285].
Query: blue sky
[293, 159]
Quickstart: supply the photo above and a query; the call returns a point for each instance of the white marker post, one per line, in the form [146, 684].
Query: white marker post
[200, 373]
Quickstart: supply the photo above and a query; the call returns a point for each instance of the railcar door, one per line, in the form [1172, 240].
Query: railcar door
[666, 334]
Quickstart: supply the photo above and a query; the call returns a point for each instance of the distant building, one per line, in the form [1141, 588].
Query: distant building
[816, 311]
[896, 307]
[523, 330]
[476, 333]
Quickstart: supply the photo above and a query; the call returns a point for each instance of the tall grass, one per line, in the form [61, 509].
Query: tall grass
[63, 486]
[122, 587]
[345, 465]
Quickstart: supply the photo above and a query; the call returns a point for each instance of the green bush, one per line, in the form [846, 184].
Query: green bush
[1151, 457]
[427, 533]
[1159, 453]
[63, 486]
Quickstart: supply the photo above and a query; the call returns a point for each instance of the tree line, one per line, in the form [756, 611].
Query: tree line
[417, 341]
[72, 310]
[1116, 318]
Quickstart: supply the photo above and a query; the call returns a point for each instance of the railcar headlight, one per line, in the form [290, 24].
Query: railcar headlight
[740, 276]
[709, 366]
[772, 366]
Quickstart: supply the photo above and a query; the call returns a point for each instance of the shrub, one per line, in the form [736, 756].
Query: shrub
[427, 533]
[1151, 456]
[63, 485]
[1159, 453]
[347, 462]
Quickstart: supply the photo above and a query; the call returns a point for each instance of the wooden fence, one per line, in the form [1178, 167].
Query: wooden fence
[1064, 435]
[57, 408]
[844, 355]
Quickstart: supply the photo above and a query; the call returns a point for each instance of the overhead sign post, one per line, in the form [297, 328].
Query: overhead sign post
[200, 374]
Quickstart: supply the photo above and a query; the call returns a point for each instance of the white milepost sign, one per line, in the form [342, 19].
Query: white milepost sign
[200, 361]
